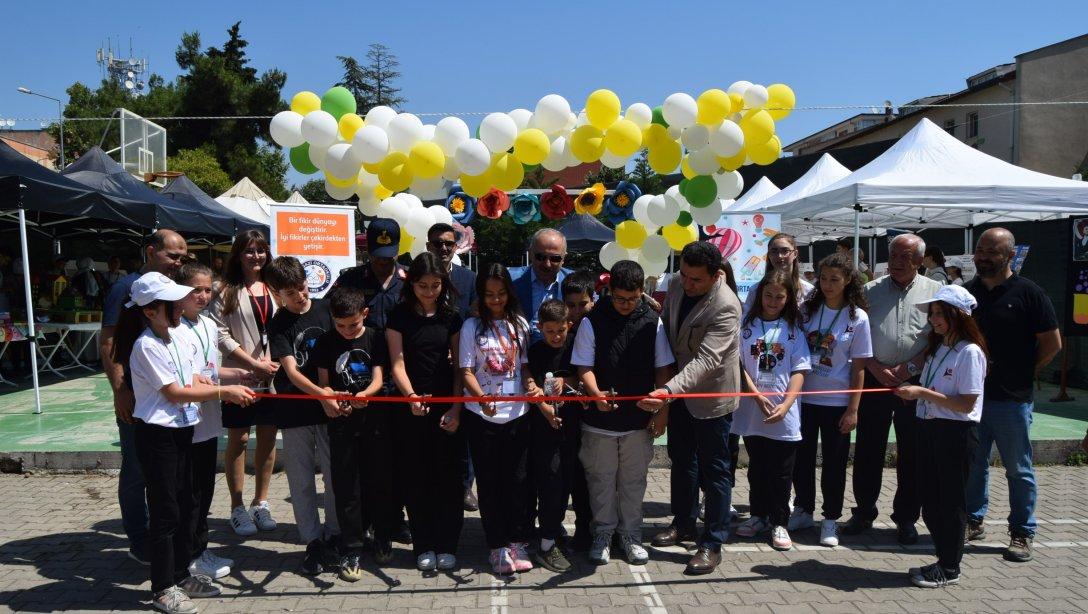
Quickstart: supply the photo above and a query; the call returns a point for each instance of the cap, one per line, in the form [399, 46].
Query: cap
[957, 296]
[383, 238]
[156, 287]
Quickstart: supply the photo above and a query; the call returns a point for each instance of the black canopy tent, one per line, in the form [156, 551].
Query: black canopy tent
[585, 233]
[186, 193]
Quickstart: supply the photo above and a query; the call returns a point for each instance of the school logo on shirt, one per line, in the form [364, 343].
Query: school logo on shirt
[353, 367]
[948, 372]
[318, 275]
[746, 333]
[304, 342]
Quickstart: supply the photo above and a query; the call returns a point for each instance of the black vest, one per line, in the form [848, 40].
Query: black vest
[624, 360]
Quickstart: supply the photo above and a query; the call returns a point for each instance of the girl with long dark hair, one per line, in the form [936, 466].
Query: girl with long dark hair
[782, 257]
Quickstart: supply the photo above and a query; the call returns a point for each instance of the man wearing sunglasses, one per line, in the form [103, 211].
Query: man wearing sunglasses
[540, 280]
[442, 242]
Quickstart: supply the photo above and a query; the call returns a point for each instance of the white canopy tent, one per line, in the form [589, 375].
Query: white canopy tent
[297, 199]
[761, 191]
[245, 198]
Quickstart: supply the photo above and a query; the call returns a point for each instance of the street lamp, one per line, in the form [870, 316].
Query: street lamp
[60, 107]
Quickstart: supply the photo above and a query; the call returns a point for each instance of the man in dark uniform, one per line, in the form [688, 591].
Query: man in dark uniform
[381, 278]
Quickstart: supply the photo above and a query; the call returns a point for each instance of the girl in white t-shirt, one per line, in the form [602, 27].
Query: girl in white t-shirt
[782, 257]
[949, 409]
[837, 334]
[493, 357]
[774, 359]
[168, 388]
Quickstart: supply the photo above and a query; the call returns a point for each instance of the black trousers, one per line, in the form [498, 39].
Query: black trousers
[820, 422]
[876, 413]
[431, 478]
[770, 473]
[945, 451]
[701, 458]
[166, 459]
[500, 458]
[558, 475]
[361, 450]
[204, 456]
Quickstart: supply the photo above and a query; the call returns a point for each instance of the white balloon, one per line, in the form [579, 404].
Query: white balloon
[317, 156]
[404, 131]
[380, 116]
[319, 128]
[418, 247]
[368, 180]
[680, 110]
[411, 200]
[441, 214]
[428, 132]
[521, 118]
[726, 139]
[572, 122]
[390, 208]
[370, 144]
[568, 156]
[673, 194]
[429, 189]
[726, 203]
[638, 209]
[662, 211]
[656, 248]
[739, 87]
[611, 160]
[370, 208]
[551, 113]
[695, 137]
[611, 253]
[338, 193]
[498, 132]
[419, 222]
[640, 113]
[703, 161]
[582, 119]
[556, 159]
[449, 133]
[340, 162]
[472, 157]
[710, 214]
[755, 97]
[730, 184]
[286, 129]
[652, 268]
[451, 171]
[674, 132]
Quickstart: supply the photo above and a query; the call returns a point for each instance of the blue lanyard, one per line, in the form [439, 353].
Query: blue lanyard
[932, 371]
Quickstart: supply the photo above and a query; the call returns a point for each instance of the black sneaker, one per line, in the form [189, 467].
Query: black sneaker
[139, 555]
[1019, 550]
[312, 564]
[906, 534]
[552, 559]
[935, 576]
[332, 553]
[350, 570]
[975, 531]
[403, 535]
[856, 526]
[383, 551]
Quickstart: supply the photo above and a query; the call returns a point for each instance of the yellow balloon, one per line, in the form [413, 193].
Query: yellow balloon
[373, 167]
[758, 127]
[506, 173]
[426, 160]
[381, 192]
[678, 236]
[737, 103]
[338, 182]
[713, 106]
[685, 168]
[602, 109]
[587, 143]
[406, 241]
[780, 100]
[304, 102]
[734, 162]
[349, 125]
[531, 146]
[665, 157]
[630, 234]
[766, 153]
[476, 185]
[394, 172]
[654, 135]
[623, 138]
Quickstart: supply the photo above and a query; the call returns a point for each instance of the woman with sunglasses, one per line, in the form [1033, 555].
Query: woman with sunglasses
[782, 256]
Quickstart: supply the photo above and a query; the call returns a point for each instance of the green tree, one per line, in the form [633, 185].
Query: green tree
[648, 181]
[355, 80]
[314, 191]
[381, 75]
[607, 176]
[201, 167]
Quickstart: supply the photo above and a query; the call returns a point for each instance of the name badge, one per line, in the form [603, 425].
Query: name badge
[765, 380]
[209, 371]
[510, 387]
[190, 414]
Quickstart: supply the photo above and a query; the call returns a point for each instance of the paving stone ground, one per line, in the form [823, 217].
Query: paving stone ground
[62, 548]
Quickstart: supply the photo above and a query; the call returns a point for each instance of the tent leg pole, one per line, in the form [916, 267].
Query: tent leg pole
[857, 235]
[32, 334]
[811, 258]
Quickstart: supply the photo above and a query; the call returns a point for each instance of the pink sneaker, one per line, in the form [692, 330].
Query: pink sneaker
[520, 556]
[501, 562]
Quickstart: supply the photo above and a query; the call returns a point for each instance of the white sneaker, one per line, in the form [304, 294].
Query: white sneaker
[426, 562]
[222, 561]
[601, 551]
[242, 522]
[262, 516]
[780, 538]
[753, 526]
[206, 565]
[447, 562]
[800, 519]
[173, 601]
[829, 533]
[635, 553]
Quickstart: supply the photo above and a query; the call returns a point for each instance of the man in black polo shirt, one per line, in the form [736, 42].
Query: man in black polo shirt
[380, 279]
[1017, 319]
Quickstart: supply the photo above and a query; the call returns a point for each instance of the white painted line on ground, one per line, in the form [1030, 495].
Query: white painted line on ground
[649, 591]
[499, 599]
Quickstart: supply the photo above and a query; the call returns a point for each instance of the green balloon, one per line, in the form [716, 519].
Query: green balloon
[702, 190]
[684, 219]
[683, 185]
[300, 159]
[338, 101]
[659, 117]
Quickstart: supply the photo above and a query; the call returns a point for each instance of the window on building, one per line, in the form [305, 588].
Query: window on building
[972, 124]
[950, 126]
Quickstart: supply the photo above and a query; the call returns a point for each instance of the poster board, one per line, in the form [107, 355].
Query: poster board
[1076, 322]
[742, 239]
[322, 237]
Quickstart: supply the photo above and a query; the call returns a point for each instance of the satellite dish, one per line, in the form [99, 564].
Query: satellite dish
[133, 61]
[131, 75]
[139, 85]
[129, 84]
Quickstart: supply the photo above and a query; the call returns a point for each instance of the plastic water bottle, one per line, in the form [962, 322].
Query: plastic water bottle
[551, 385]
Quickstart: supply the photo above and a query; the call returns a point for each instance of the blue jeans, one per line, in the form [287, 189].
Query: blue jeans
[1008, 424]
[700, 455]
[131, 490]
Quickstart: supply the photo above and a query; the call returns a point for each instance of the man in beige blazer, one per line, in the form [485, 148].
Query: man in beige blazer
[702, 317]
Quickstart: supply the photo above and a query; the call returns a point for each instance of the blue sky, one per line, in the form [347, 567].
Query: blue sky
[481, 56]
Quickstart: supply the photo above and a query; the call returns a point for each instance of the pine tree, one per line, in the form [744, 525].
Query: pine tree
[647, 180]
[381, 75]
[356, 82]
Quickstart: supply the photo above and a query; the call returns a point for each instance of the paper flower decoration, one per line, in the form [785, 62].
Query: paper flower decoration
[466, 238]
[525, 208]
[493, 204]
[462, 206]
[617, 207]
[602, 282]
[556, 204]
[591, 200]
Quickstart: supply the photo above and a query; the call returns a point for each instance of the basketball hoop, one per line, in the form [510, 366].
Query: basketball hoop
[167, 175]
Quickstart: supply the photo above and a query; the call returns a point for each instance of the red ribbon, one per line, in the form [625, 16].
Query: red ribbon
[561, 399]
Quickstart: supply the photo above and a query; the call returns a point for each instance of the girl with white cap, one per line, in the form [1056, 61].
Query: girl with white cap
[949, 409]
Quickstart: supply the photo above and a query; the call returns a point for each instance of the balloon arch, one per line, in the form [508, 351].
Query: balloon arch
[393, 161]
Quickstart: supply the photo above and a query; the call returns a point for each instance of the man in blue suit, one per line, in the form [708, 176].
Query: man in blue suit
[541, 279]
[442, 242]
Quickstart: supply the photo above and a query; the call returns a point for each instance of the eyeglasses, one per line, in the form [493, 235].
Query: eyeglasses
[780, 251]
[621, 300]
[175, 256]
[439, 244]
[553, 258]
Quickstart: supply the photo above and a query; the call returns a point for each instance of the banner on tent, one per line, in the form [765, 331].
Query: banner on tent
[321, 237]
[1076, 323]
[742, 240]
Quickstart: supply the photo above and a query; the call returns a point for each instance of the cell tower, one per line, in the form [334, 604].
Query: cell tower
[127, 72]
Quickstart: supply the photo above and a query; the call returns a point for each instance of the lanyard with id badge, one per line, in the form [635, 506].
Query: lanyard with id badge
[190, 412]
[261, 302]
[821, 344]
[209, 369]
[767, 361]
[931, 373]
[507, 366]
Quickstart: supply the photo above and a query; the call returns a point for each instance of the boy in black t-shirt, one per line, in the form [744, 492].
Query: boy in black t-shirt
[351, 359]
[556, 435]
[292, 333]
